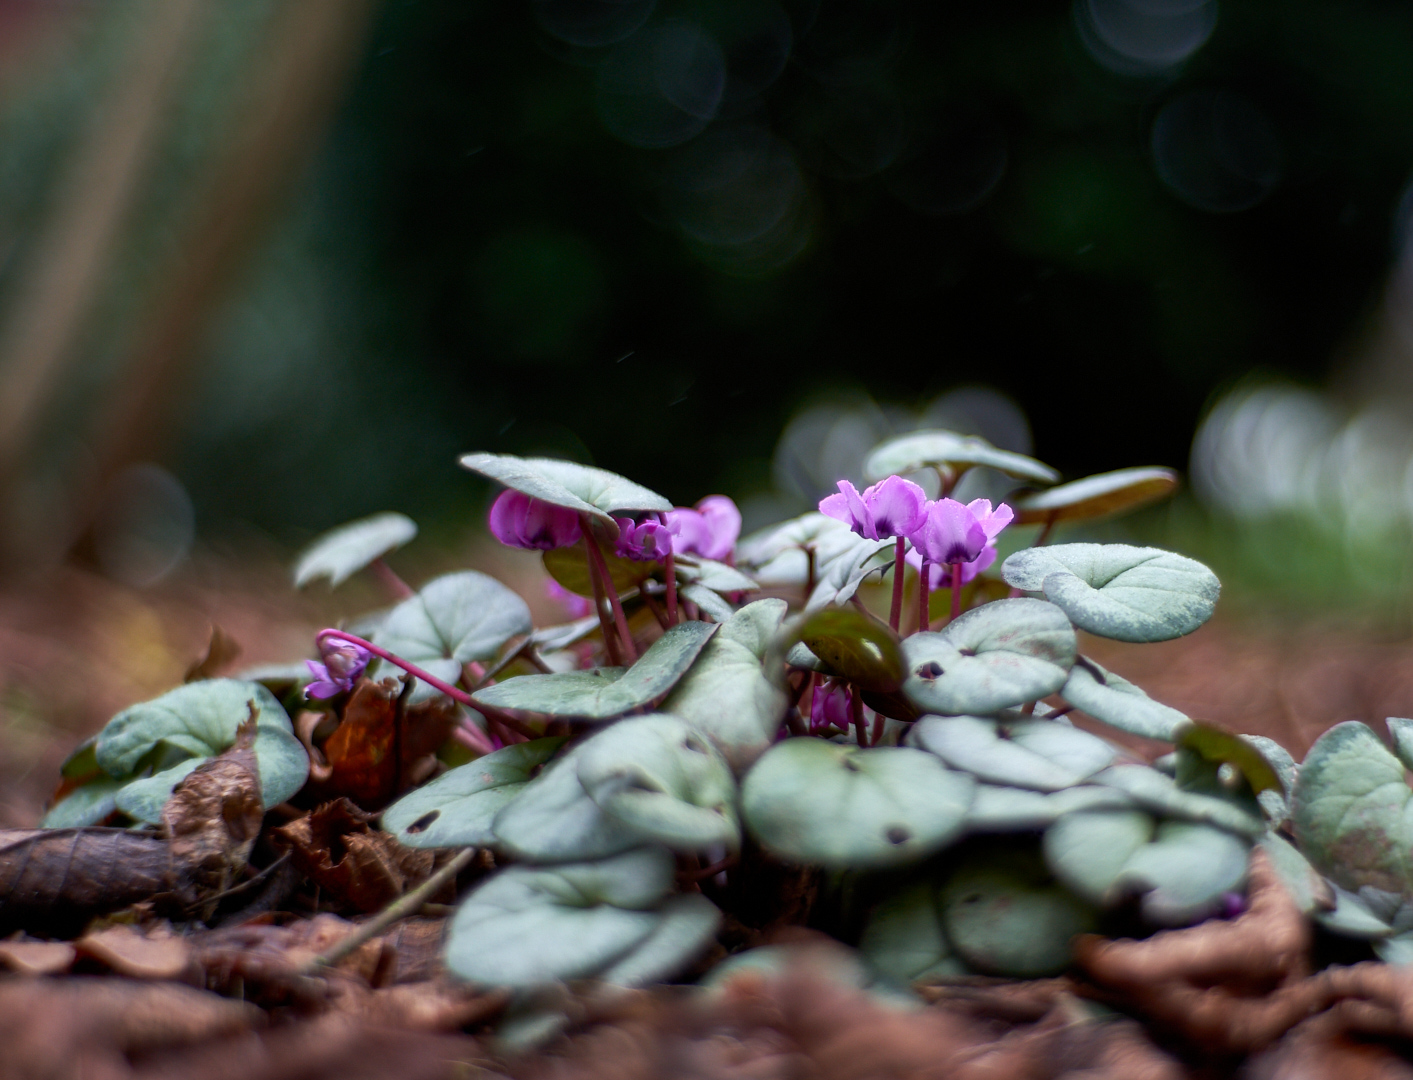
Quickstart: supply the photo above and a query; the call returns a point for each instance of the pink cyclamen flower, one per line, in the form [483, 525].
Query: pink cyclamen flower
[939, 575]
[891, 507]
[575, 605]
[955, 533]
[343, 663]
[518, 520]
[643, 541]
[710, 530]
[831, 704]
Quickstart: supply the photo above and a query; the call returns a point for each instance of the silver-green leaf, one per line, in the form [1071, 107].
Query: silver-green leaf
[994, 657]
[342, 552]
[582, 488]
[1117, 702]
[1119, 591]
[808, 800]
[924, 449]
[1024, 752]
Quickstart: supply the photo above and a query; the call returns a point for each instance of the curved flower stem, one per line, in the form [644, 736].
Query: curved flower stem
[956, 589]
[392, 658]
[922, 588]
[630, 654]
[895, 613]
[610, 636]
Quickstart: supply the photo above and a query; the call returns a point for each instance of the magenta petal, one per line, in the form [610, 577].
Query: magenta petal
[897, 506]
[723, 524]
[692, 532]
[837, 507]
[858, 510]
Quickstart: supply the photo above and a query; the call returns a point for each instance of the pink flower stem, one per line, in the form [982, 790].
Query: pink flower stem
[471, 737]
[895, 613]
[392, 658]
[922, 587]
[856, 708]
[610, 638]
[669, 565]
[956, 589]
[630, 654]
[388, 576]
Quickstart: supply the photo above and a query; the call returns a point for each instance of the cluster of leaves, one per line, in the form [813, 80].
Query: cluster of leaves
[639, 757]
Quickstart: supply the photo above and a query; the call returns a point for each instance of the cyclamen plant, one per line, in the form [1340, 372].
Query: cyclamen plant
[727, 705]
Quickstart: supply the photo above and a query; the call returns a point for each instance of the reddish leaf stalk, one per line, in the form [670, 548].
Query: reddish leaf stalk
[669, 565]
[591, 542]
[922, 584]
[856, 707]
[895, 614]
[610, 637]
[390, 579]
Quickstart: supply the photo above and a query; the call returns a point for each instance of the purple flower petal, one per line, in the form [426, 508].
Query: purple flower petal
[517, 520]
[897, 507]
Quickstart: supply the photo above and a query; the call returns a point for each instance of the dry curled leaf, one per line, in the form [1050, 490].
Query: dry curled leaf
[36, 957]
[221, 652]
[362, 867]
[214, 816]
[382, 745]
[52, 881]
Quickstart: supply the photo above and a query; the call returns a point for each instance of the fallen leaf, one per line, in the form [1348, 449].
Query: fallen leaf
[354, 864]
[52, 881]
[80, 1026]
[379, 747]
[214, 816]
[221, 652]
[153, 955]
[36, 957]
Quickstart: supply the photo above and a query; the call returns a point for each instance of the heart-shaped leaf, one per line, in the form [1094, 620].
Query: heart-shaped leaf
[604, 693]
[712, 603]
[1183, 873]
[847, 643]
[904, 940]
[454, 619]
[1005, 916]
[583, 488]
[839, 578]
[1311, 892]
[1022, 752]
[199, 721]
[553, 819]
[1097, 496]
[991, 658]
[953, 452]
[662, 778]
[1007, 809]
[685, 927]
[569, 566]
[1351, 811]
[1352, 918]
[457, 808]
[781, 549]
[1117, 702]
[86, 805]
[1160, 794]
[1222, 747]
[1401, 731]
[1088, 850]
[526, 927]
[143, 799]
[342, 552]
[1118, 591]
[714, 575]
[726, 694]
[808, 800]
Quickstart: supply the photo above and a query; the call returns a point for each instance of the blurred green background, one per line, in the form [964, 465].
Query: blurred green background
[301, 253]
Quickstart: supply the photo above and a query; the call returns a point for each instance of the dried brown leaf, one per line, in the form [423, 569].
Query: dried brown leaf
[356, 865]
[221, 652]
[90, 1027]
[36, 957]
[214, 816]
[382, 745]
[154, 955]
[52, 881]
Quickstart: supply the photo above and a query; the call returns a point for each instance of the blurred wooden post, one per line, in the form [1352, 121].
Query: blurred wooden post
[50, 309]
[297, 74]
